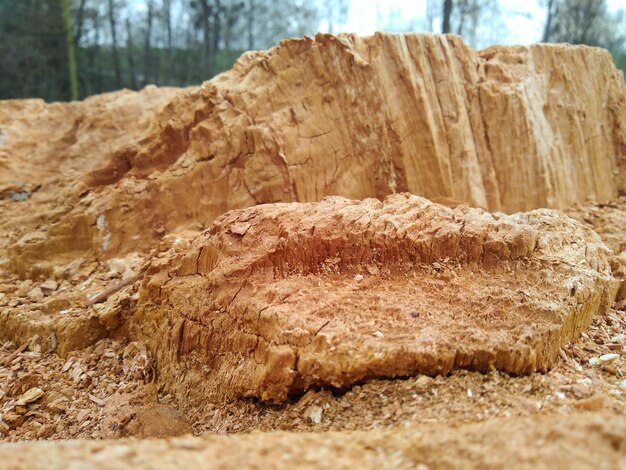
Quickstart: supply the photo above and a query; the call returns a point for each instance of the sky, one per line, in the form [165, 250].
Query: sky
[522, 20]
[517, 22]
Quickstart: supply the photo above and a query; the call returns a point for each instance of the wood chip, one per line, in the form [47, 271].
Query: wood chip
[30, 396]
[101, 297]
[67, 365]
[97, 400]
[15, 353]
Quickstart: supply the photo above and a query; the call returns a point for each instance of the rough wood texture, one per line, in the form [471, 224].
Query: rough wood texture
[276, 299]
[507, 128]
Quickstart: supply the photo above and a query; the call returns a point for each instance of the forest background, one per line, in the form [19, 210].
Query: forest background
[69, 49]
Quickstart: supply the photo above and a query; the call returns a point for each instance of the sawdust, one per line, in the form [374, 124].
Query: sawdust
[460, 396]
[607, 219]
[96, 393]
[86, 395]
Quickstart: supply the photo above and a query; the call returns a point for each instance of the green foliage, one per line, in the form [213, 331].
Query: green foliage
[33, 50]
[132, 43]
[129, 44]
[97, 74]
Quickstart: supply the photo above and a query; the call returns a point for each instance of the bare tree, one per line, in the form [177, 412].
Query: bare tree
[167, 19]
[122, 43]
[130, 54]
[80, 16]
[147, 48]
[303, 19]
[585, 22]
[250, 17]
[71, 58]
[203, 19]
[95, 84]
[116, 59]
[232, 14]
[335, 13]
[550, 4]
[217, 27]
[465, 17]
[432, 11]
[447, 14]
[468, 16]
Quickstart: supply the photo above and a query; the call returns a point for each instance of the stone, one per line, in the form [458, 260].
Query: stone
[276, 311]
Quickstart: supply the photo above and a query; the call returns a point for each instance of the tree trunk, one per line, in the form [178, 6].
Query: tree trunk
[71, 59]
[329, 15]
[147, 51]
[94, 63]
[447, 12]
[462, 9]
[116, 59]
[130, 51]
[167, 4]
[80, 17]
[431, 13]
[206, 36]
[217, 35]
[250, 18]
[189, 47]
[593, 9]
[548, 27]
